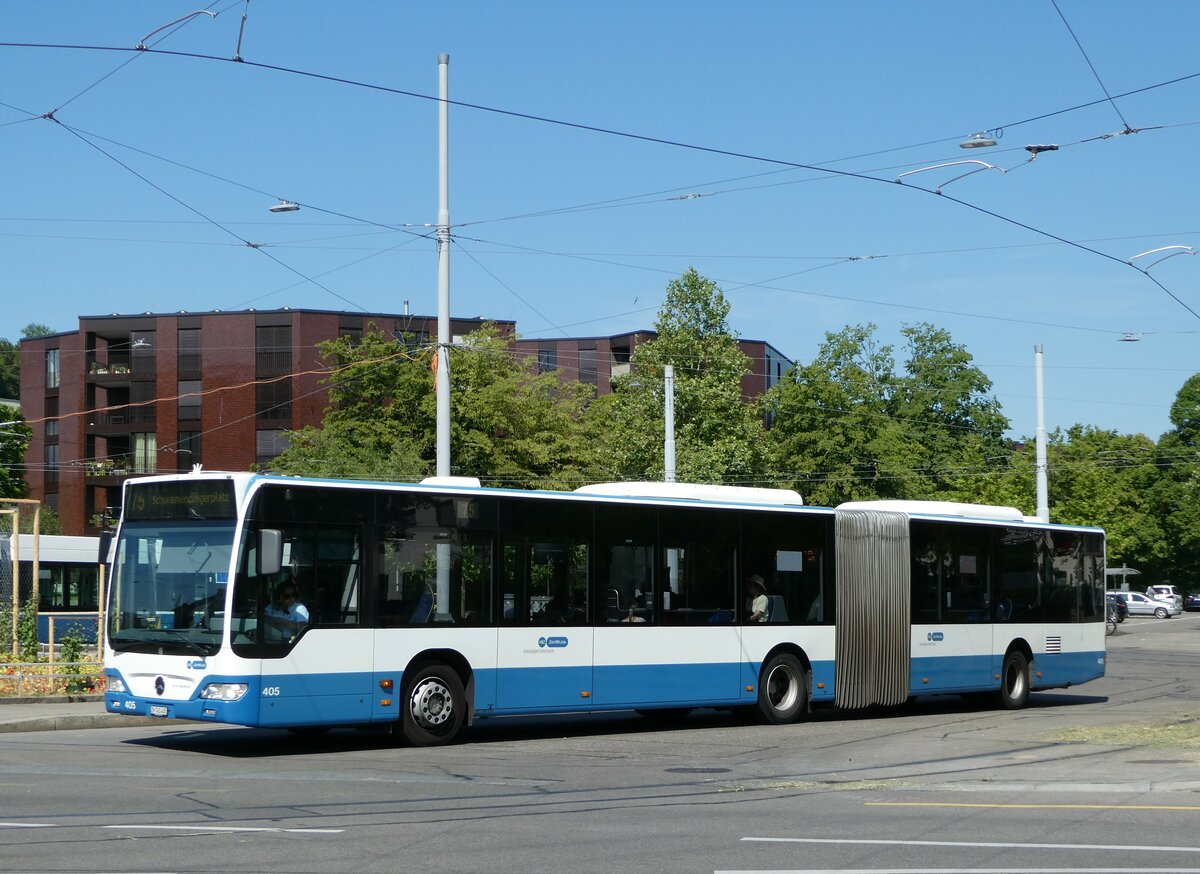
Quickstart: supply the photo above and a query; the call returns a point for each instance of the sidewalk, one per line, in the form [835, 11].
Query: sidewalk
[58, 712]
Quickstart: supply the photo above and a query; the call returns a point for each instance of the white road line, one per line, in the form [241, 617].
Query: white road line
[26, 825]
[995, 845]
[231, 828]
[959, 870]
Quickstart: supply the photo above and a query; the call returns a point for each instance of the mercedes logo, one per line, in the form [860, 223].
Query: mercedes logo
[159, 685]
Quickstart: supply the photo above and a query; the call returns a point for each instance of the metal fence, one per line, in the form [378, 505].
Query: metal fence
[30, 679]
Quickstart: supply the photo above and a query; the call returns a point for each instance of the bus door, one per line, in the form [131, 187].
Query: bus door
[317, 656]
[666, 629]
[544, 649]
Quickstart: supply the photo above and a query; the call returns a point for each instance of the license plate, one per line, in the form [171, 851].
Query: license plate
[158, 709]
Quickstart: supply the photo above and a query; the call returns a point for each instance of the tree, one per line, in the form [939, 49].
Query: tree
[10, 369]
[1176, 495]
[947, 408]
[36, 329]
[509, 425]
[833, 436]
[717, 433]
[14, 438]
[849, 427]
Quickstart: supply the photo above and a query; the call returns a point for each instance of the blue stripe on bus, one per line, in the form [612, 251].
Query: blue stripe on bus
[331, 699]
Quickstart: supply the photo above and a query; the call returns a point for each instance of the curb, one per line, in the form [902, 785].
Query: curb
[76, 721]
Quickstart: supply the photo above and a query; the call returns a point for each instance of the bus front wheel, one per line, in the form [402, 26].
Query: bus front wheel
[434, 705]
[1014, 680]
[782, 690]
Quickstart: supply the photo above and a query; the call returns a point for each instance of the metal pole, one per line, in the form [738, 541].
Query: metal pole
[669, 423]
[1043, 499]
[443, 246]
[442, 607]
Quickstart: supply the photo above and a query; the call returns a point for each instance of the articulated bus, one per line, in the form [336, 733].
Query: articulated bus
[428, 606]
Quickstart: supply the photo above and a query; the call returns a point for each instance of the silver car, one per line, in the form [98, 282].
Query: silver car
[1164, 592]
[1140, 605]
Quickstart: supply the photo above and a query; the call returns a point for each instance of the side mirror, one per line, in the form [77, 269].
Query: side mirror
[106, 538]
[270, 551]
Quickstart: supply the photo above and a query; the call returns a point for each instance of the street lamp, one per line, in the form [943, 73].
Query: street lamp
[285, 206]
[980, 140]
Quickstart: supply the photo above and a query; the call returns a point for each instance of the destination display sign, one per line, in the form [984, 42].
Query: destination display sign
[193, 499]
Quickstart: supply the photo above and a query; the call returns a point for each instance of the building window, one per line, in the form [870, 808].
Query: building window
[189, 350]
[547, 360]
[269, 443]
[141, 402]
[52, 419]
[51, 464]
[52, 372]
[587, 366]
[187, 449]
[273, 401]
[189, 399]
[273, 350]
[145, 452]
[141, 353]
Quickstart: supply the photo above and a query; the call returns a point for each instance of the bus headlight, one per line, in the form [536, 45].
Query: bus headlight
[116, 684]
[224, 691]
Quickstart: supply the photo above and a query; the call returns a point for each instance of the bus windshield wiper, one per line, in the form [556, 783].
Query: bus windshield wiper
[198, 649]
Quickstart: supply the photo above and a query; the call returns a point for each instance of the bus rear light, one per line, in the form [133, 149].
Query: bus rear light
[224, 691]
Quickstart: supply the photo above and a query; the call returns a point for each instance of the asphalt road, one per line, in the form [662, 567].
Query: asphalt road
[944, 784]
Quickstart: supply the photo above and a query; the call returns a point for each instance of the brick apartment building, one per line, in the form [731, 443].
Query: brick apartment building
[96, 390]
[598, 360]
[158, 393]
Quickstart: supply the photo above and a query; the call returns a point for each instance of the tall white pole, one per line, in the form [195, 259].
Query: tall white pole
[1043, 497]
[669, 423]
[443, 247]
[442, 603]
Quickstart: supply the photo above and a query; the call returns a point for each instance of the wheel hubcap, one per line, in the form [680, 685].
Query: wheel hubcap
[782, 688]
[431, 704]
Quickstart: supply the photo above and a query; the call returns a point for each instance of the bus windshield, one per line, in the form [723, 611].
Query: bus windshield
[169, 580]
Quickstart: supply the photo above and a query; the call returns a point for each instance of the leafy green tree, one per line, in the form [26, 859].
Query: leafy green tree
[1100, 477]
[950, 415]
[718, 434]
[509, 425]
[14, 437]
[833, 436]
[1176, 495]
[10, 369]
[36, 329]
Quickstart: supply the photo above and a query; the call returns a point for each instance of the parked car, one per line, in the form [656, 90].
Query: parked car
[1164, 592]
[1118, 604]
[1191, 602]
[1139, 605]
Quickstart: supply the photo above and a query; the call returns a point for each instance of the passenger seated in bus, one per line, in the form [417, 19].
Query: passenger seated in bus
[636, 610]
[756, 592]
[285, 616]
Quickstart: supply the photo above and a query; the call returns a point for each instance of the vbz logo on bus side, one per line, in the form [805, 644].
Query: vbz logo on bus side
[935, 636]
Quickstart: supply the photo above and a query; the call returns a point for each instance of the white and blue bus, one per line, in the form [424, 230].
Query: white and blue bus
[430, 605]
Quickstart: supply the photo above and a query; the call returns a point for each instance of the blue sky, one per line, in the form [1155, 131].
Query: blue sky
[570, 231]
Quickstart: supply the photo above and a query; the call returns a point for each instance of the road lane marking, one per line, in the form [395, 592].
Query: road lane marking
[26, 825]
[992, 845]
[959, 870]
[1185, 807]
[231, 828]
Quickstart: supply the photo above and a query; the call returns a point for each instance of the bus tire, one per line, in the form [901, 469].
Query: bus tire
[433, 707]
[782, 690]
[1014, 680]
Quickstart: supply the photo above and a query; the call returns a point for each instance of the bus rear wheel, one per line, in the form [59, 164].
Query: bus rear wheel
[1014, 680]
[434, 706]
[782, 690]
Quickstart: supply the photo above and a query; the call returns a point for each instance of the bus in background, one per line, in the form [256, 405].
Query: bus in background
[298, 603]
[68, 581]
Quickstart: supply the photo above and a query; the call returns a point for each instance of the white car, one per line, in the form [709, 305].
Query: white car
[1165, 592]
[1140, 605]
